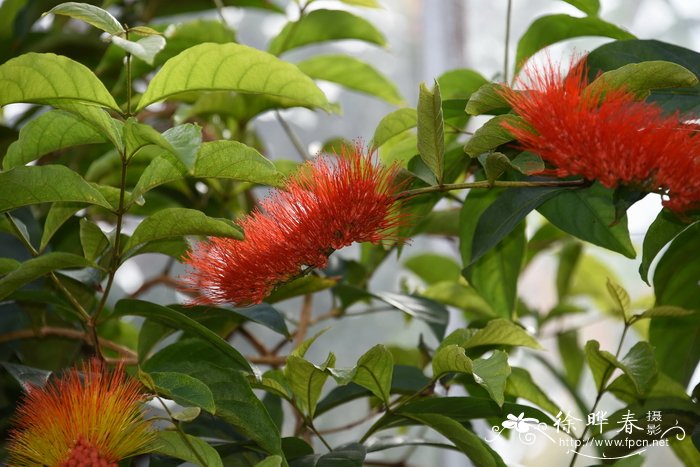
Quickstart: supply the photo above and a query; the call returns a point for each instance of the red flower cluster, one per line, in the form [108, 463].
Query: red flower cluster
[87, 417]
[606, 134]
[327, 205]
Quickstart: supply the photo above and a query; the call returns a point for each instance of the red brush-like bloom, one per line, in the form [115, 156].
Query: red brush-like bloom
[86, 418]
[328, 205]
[606, 134]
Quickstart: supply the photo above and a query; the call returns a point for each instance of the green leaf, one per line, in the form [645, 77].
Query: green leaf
[234, 160]
[433, 268]
[495, 164]
[665, 311]
[171, 443]
[491, 135]
[589, 214]
[374, 370]
[97, 117]
[492, 373]
[146, 49]
[266, 315]
[457, 294]
[7, 265]
[92, 239]
[176, 222]
[271, 461]
[642, 78]
[313, 28]
[451, 359]
[434, 314]
[45, 184]
[58, 214]
[520, 384]
[551, 29]
[177, 320]
[50, 131]
[90, 14]
[601, 363]
[640, 366]
[183, 389]
[353, 74]
[186, 140]
[306, 381]
[571, 355]
[162, 169]
[363, 3]
[590, 7]
[487, 100]
[569, 257]
[460, 83]
[394, 124]
[36, 267]
[501, 332]
[9, 11]
[620, 297]
[431, 131]
[301, 286]
[465, 440]
[231, 67]
[664, 229]
[139, 135]
[301, 350]
[46, 78]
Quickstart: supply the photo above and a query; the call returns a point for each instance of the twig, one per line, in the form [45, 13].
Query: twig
[304, 320]
[254, 341]
[163, 279]
[292, 136]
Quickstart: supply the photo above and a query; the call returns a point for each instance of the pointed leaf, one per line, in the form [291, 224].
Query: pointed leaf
[434, 314]
[394, 124]
[186, 140]
[664, 229]
[271, 461]
[374, 370]
[313, 28]
[183, 389]
[92, 239]
[640, 366]
[58, 214]
[520, 384]
[306, 381]
[353, 74]
[487, 100]
[590, 7]
[42, 78]
[491, 135]
[431, 131]
[27, 376]
[501, 332]
[146, 49]
[601, 362]
[642, 78]
[494, 163]
[50, 131]
[451, 359]
[171, 443]
[91, 14]
[621, 298]
[234, 160]
[266, 315]
[162, 169]
[231, 67]
[666, 311]
[492, 373]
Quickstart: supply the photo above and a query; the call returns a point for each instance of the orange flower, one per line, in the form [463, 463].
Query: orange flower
[90, 419]
[606, 134]
[328, 205]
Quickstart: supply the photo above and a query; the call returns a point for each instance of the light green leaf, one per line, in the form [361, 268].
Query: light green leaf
[451, 359]
[45, 184]
[90, 14]
[231, 67]
[7, 265]
[494, 163]
[590, 7]
[183, 389]
[665, 311]
[271, 461]
[487, 100]
[231, 159]
[364, 3]
[98, 117]
[433, 268]
[44, 78]
[640, 366]
[621, 298]
[163, 169]
[459, 295]
[313, 28]
[138, 135]
[36, 267]
[492, 373]
[58, 214]
[353, 74]
[550, 29]
[301, 350]
[491, 135]
[520, 384]
[571, 355]
[601, 362]
[171, 443]
[501, 332]
[146, 49]
[92, 239]
[175, 222]
[460, 83]
[186, 140]
[394, 124]
[50, 131]
[642, 78]
[306, 381]
[374, 370]
[431, 131]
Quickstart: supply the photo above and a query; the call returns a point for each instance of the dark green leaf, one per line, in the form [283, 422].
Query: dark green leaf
[434, 314]
[57, 216]
[460, 83]
[571, 356]
[664, 229]
[232, 67]
[44, 78]
[92, 239]
[491, 135]
[301, 286]
[183, 389]
[431, 131]
[353, 74]
[91, 14]
[171, 443]
[639, 365]
[313, 28]
[266, 315]
[27, 376]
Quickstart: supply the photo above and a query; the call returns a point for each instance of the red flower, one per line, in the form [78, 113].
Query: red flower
[327, 205]
[606, 134]
[93, 418]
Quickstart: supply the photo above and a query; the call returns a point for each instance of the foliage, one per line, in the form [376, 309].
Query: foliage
[146, 141]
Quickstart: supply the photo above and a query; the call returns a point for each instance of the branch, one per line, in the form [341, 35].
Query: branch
[304, 320]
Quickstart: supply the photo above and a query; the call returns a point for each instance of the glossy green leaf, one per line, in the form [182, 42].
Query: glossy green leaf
[139, 135]
[520, 384]
[642, 78]
[501, 332]
[183, 389]
[27, 376]
[465, 440]
[353, 74]
[171, 443]
[306, 381]
[664, 229]
[491, 135]
[590, 7]
[90, 14]
[146, 48]
[231, 67]
[92, 239]
[487, 100]
[43, 78]
[313, 28]
[37, 267]
[51, 131]
[589, 214]
[234, 160]
[551, 29]
[177, 320]
[434, 314]
[175, 222]
[45, 184]
[374, 370]
[394, 124]
[431, 131]
[58, 214]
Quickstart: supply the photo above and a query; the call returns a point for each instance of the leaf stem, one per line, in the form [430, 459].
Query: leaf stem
[487, 184]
